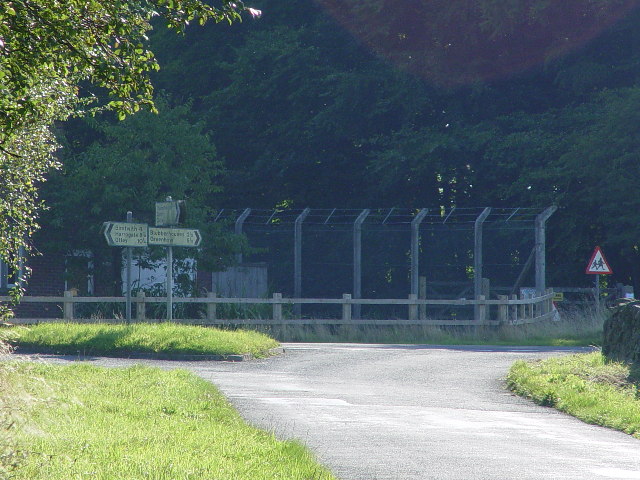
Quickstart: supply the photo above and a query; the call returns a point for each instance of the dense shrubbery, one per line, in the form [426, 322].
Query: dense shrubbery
[622, 334]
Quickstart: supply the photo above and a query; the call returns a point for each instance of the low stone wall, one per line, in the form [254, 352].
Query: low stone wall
[622, 334]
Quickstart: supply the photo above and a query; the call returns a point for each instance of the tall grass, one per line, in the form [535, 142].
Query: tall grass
[575, 328]
[587, 386]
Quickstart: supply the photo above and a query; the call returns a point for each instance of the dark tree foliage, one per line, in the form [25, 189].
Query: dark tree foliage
[339, 103]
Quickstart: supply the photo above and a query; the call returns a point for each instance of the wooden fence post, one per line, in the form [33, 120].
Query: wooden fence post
[277, 307]
[67, 307]
[141, 307]
[422, 290]
[514, 309]
[346, 306]
[503, 309]
[211, 306]
[413, 307]
[481, 310]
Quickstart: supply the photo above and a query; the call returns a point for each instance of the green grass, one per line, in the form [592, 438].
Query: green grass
[586, 386]
[163, 338]
[82, 421]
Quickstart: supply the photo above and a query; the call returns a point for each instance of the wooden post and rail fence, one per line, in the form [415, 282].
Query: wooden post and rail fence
[503, 310]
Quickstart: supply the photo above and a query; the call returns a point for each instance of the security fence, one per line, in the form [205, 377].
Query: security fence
[457, 253]
[448, 265]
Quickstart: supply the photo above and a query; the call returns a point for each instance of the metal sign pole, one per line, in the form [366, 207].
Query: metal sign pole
[598, 292]
[129, 261]
[169, 284]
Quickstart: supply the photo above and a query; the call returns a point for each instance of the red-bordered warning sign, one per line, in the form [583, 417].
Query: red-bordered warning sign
[598, 265]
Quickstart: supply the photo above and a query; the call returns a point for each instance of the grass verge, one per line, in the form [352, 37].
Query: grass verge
[141, 423]
[8, 419]
[587, 386]
[163, 338]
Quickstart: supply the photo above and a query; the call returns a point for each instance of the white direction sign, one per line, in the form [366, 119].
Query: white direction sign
[598, 264]
[174, 237]
[123, 234]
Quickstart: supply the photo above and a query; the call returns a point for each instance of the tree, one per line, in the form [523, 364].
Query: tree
[136, 162]
[60, 58]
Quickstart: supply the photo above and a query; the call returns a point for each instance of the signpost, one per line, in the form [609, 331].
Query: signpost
[168, 215]
[173, 237]
[597, 266]
[128, 234]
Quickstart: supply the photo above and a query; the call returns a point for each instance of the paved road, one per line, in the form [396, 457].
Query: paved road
[373, 412]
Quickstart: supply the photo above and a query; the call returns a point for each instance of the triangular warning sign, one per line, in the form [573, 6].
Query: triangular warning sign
[598, 264]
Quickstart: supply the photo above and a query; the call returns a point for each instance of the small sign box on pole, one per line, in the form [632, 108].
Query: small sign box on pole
[168, 213]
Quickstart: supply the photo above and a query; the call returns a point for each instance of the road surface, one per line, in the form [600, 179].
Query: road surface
[375, 412]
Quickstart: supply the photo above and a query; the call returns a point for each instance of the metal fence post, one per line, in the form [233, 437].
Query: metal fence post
[477, 255]
[357, 260]
[277, 307]
[297, 260]
[346, 306]
[141, 307]
[212, 306]
[541, 263]
[238, 229]
[415, 249]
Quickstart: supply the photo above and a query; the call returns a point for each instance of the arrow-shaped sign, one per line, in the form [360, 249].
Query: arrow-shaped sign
[174, 237]
[122, 234]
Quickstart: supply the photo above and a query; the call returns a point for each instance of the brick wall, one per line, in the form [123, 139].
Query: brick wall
[47, 279]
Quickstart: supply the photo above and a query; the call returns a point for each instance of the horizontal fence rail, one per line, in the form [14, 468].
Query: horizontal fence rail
[503, 310]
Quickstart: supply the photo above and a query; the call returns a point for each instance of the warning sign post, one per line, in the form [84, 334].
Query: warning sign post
[597, 266]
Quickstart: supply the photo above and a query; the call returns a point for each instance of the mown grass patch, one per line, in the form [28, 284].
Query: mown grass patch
[587, 386]
[141, 423]
[163, 338]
